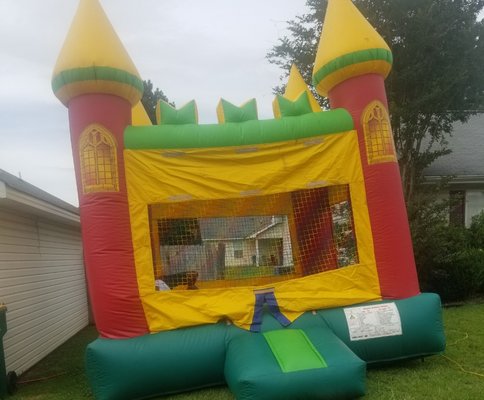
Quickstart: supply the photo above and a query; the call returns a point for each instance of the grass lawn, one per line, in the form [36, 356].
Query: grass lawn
[248, 271]
[458, 374]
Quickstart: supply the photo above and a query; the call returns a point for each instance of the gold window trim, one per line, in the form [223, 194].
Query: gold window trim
[377, 130]
[98, 160]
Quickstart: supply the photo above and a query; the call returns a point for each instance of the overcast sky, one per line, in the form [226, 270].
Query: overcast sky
[190, 49]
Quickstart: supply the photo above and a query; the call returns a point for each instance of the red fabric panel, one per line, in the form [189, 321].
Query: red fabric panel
[105, 223]
[314, 229]
[388, 215]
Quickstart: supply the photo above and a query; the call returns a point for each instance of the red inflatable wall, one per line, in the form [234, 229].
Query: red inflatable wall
[388, 216]
[314, 227]
[106, 231]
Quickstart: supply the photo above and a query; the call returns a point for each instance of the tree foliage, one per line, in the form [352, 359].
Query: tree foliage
[436, 77]
[300, 45]
[150, 99]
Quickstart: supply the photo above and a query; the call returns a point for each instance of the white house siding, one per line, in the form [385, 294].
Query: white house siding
[465, 165]
[281, 231]
[248, 252]
[42, 282]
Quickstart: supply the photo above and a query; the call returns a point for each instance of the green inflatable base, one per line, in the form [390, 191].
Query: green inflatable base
[210, 355]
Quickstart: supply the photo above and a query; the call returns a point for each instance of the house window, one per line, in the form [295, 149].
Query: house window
[238, 249]
[457, 211]
[474, 205]
[97, 155]
[379, 143]
[238, 253]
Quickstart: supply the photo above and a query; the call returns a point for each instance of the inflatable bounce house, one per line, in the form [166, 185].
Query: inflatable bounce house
[273, 256]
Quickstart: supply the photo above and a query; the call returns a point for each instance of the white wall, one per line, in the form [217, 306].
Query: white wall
[42, 283]
[248, 250]
[281, 231]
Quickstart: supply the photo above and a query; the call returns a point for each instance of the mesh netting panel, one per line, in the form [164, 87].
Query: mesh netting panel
[252, 241]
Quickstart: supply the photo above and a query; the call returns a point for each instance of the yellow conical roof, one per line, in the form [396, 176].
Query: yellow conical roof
[296, 85]
[349, 46]
[93, 59]
[139, 116]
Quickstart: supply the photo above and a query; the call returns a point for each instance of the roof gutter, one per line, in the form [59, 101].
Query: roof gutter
[455, 179]
[19, 200]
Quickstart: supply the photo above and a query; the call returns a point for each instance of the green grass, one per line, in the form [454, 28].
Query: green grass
[248, 271]
[457, 375]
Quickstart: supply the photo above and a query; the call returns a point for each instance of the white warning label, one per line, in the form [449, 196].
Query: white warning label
[373, 321]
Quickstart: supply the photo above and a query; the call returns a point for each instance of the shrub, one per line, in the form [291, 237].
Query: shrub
[459, 276]
[450, 259]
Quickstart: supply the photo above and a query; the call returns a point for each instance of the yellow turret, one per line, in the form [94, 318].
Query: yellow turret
[349, 46]
[93, 59]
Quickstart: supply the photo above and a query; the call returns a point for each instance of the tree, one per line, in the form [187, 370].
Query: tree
[300, 46]
[150, 99]
[436, 78]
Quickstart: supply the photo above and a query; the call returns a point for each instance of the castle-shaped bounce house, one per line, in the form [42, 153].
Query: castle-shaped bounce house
[273, 256]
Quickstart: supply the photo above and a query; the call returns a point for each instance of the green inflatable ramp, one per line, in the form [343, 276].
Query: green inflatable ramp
[292, 364]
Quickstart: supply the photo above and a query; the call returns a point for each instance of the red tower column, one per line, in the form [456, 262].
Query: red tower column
[388, 216]
[106, 230]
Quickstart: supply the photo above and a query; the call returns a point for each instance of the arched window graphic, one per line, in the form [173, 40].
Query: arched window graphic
[380, 147]
[97, 155]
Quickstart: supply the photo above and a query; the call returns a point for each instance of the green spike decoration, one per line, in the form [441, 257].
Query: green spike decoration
[228, 112]
[288, 108]
[166, 114]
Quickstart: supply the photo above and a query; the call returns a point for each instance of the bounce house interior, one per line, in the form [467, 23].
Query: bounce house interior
[273, 256]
